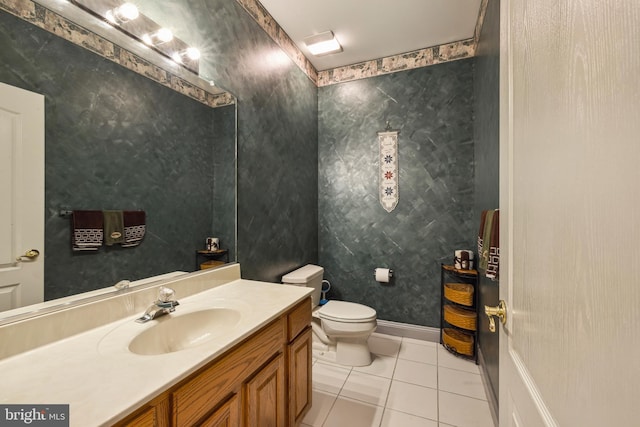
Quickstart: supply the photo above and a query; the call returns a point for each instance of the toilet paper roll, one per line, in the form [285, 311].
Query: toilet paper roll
[383, 275]
[463, 260]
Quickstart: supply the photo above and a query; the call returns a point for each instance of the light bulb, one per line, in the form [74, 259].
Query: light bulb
[164, 35]
[123, 13]
[193, 53]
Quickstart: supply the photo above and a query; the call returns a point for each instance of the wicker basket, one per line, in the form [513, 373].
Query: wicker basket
[211, 264]
[460, 293]
[457, 341]
[460, 317]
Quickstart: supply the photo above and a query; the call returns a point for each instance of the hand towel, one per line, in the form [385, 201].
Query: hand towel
[113, 227]
[134, 228]
[483, 218]
[493, 263]
[483, 262]
[86, 230]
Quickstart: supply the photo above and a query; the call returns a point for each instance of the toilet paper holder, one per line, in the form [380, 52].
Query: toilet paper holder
[390, 273]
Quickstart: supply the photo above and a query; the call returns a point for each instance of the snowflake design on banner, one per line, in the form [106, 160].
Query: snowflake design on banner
[388, 141]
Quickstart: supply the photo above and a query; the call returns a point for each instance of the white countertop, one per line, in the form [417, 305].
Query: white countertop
[103, 382]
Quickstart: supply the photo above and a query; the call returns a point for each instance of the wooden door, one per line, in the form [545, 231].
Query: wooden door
[21, 197]
[265, 396]
[570, 212]
[299, 377]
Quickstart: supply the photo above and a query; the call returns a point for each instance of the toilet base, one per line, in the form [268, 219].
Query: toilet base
[353, 352]
[323, 352]
[348, 352]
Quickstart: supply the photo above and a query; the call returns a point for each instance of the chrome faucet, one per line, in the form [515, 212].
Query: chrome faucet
[164, 305]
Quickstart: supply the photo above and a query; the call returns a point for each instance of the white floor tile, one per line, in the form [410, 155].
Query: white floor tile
[366, 388]
[420, 342]
[329, 378]
[418, 353]
[420, 382]
[322, 404]
[384, 345]
[461, 382]
[392, 418]
[381, 366]
[352, 413]
[463, 411]
[448, 360]
[416, 373]
[413, 399]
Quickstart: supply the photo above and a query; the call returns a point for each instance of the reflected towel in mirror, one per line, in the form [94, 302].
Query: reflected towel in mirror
[87, 230]
[134, 228]
[113, 227]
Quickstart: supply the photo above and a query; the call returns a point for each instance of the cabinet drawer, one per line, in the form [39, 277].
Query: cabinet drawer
[198, 396]
[299, 318]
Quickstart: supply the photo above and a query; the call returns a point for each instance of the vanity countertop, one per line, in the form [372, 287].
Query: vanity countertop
[103, 381]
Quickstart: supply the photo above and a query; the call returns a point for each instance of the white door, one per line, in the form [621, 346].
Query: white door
[570, 212]
[21, 197]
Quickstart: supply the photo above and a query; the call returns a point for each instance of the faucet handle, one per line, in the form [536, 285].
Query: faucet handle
[166, 294]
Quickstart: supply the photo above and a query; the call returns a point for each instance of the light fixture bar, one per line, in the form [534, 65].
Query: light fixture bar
[323, 44]
[124, 16]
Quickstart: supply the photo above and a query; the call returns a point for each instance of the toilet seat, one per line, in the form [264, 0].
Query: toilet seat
[346, 312]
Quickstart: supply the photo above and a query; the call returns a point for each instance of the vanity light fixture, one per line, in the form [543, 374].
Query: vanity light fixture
[124, 13]
[323, 44]
[163, 35]
[124, 16]
[189, 54]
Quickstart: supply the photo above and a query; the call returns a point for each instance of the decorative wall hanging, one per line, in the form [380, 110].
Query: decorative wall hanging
[388, 140]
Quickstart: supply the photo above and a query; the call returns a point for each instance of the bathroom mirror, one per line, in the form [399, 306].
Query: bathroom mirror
[115, 139]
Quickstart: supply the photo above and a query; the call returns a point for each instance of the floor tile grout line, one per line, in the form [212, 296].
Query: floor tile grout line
[463, 395]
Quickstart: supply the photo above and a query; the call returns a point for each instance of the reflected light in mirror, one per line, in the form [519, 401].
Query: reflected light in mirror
[163, 35]
[191, 53]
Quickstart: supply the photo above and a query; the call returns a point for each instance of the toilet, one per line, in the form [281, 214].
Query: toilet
[340, 329]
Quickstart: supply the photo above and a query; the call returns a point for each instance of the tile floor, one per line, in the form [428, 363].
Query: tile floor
[410, 383]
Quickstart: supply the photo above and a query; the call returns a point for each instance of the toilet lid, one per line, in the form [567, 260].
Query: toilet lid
[342, 311]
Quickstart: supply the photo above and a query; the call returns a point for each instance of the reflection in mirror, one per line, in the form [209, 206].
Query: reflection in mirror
[117, 140]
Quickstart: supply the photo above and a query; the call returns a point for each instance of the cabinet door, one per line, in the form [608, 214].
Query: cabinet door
[299, 377]
[155, 414]
[228, 415]
[266, 396]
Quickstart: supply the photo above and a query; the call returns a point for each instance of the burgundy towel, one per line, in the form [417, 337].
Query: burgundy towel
[483, 219]
[494, 248]
[134, 228]
[87, 230]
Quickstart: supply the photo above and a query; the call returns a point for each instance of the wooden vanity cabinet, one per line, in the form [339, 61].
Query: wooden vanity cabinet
[263, 381]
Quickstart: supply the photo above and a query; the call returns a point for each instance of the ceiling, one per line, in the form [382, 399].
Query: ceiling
[372, 29]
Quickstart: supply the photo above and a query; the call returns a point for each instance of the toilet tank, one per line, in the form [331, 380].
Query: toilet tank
[310, 276]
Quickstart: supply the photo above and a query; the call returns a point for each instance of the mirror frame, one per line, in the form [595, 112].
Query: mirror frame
[90, 33]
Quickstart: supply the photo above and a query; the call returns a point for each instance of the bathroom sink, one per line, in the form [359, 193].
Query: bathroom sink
[176, 332]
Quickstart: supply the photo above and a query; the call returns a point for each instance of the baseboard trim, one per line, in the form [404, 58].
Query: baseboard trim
[418, 332]
[491, 398]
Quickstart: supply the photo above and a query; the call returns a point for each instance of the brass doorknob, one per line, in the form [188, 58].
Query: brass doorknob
[31, 254]
[500, 311]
